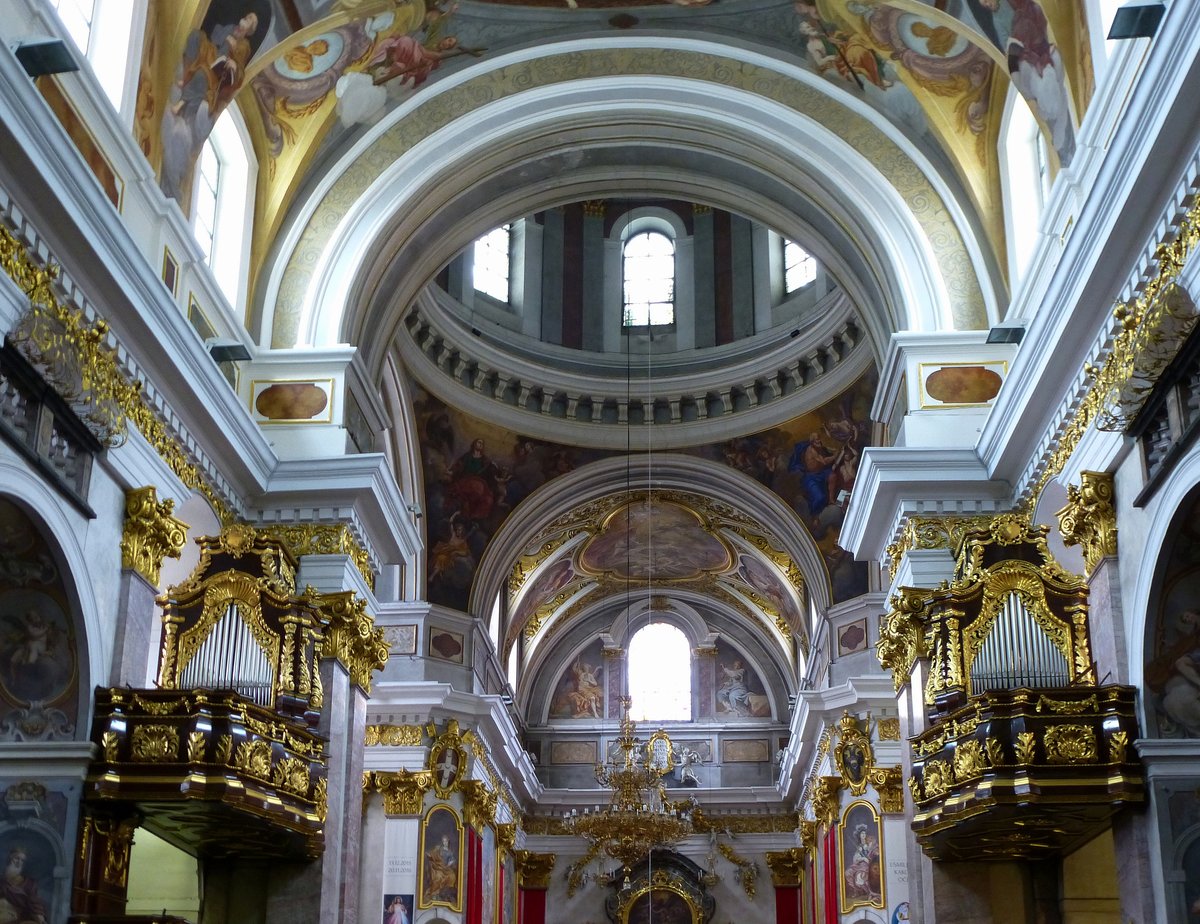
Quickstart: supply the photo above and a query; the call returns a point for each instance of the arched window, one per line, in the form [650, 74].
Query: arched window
[204, 199]
[104, 31]
[660, 674]
[1026, 177]
[648, 271]
[799, 267]
[221, 198]
[493, 263]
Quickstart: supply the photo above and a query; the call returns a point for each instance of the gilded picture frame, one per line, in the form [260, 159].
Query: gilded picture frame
[440, 883]
[861, 880]
[660, 753]
[853, 755]
[662, 903]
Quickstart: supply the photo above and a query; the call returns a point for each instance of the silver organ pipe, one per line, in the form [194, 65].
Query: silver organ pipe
[229, 658]
[1017, 653]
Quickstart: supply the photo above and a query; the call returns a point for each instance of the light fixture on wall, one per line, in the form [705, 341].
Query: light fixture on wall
[44, 56]
[1137, 20]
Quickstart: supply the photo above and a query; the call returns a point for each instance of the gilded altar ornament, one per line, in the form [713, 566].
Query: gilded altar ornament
[931, 532]
[80, 359]
[808, 835]
[119, 844]
[1118, 743]
[392, 735]
[787, 866]
[914, 787]
[323, 539]
[292, 774]
[995, 752]
[154, 743]
[534, 869]
[320, 798]
[853, 755]
[224, 749]
[889, 728]
[968, 760]
[110, 741]
[937, 779]
[1025, 747]
[403, 791]
[150, 533]
[479, 804]
[747, 870]
[195, 747]
[448, 759]
[888, 782]
[1089, 519]
[1070, 744]
[506, 838]
[1150, 331]
[352, 638]
[254, 757]
[826, 799]
[902, 634]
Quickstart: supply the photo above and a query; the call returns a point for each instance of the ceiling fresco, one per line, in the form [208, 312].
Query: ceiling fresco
[476, 473]
[311, 78]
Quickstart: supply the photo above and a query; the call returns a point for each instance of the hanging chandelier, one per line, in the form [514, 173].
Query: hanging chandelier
[638, 817]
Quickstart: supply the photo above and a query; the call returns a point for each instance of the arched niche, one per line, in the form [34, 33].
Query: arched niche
[45, 670]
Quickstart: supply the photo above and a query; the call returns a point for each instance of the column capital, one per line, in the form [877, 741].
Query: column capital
[1089, 518]
[787, 866]
[150, 533]
[534, 869]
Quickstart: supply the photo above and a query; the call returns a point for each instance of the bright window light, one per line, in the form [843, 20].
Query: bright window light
[649, 271]
[660, 674]
[493, 258]
[76, 17]
[799, 267]
[1028, 175]
[204, 201]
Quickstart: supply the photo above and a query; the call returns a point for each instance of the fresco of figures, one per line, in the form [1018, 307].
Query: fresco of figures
[1173, 673]
[476, 473]
[579, 693]
[39, 683]
[738, 690]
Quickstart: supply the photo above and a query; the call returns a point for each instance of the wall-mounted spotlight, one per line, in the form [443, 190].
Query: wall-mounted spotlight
[1006, 333]
[227, 351]
[44, 56]
[1137, 20]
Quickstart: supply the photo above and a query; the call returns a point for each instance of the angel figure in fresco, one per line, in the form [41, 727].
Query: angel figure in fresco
[832, 49]
[588, 696]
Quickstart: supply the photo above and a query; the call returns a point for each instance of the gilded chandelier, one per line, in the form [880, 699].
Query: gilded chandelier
[638, 817]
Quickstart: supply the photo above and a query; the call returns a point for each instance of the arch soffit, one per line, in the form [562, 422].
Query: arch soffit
[533, 522]
[1144, 572]
[756, 83]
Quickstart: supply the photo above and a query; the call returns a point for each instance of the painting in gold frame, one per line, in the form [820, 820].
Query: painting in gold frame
[860, 858]
[661, 905]
[441, 882]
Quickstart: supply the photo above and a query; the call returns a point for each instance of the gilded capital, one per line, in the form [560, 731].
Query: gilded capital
[1089, 518]
[403, 791]
[479, 804]
[323, 539]
[786, 866]
[351, 637]
[392, 735]
[808, 834]
[150, 534]
[826, 799]
[902, 634]
[534, 869]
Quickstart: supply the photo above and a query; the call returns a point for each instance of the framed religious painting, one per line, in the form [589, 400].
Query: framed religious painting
[661, 906]
[440, 883]
[860, 855]
[447, 760]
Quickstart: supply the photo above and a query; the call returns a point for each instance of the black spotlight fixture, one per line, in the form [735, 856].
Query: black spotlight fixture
[1137, 20]
[40, 57]
[227, 351]
[1006, 333]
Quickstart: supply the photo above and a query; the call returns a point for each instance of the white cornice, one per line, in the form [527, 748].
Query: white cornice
[894, 482]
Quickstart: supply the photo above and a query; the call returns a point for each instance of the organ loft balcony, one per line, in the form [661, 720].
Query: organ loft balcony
[1020, 754]
[224, 757]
